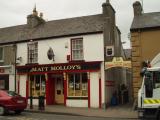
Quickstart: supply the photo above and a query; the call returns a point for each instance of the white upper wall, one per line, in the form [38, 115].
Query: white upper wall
[92, 45]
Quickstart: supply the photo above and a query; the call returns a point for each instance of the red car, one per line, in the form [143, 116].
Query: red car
[11, 101]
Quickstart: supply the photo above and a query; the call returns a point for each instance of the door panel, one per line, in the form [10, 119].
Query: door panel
[59, 90]
[50, 89]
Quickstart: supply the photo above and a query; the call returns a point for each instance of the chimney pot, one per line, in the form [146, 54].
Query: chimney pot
[107, 1]
[137, 8]
[41, 15]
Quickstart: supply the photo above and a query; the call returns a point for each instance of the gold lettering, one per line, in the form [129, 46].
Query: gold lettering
[46, 68]
[33, 70]
[39, 69]
[68, 67]
[73, 67]
[78, 67]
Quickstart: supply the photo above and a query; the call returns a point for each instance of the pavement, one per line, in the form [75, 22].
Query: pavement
[120, 111]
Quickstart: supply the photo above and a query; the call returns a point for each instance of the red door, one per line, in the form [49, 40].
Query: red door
[50, 90]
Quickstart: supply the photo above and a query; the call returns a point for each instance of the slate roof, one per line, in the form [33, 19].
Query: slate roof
[146, 20]
[55, 28]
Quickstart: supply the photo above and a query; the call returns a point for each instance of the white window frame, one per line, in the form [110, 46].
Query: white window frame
[2, 60]
[33, 49]
[75, 43]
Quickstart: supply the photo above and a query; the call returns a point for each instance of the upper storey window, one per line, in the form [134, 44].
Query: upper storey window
[77, 49]
[33, 52]
[1, 54]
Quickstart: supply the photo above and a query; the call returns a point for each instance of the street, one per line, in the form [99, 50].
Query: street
[38, 116]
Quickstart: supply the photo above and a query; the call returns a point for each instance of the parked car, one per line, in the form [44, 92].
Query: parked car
[11, 101]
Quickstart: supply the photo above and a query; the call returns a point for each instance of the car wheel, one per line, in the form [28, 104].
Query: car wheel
[18, 111]
[2, 110]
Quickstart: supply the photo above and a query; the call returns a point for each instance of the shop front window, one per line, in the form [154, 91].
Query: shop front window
[37, 85]
[4, 82]
[77, 85]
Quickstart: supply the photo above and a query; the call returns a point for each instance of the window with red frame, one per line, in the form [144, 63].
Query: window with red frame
[77, 49]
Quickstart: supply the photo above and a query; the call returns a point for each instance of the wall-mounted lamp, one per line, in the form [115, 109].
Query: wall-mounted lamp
[50, 54]
[18, 59]
[124, 42]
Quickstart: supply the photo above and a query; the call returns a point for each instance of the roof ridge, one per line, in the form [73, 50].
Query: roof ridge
[90, 24]
[151, 12]
[53, 20]
[75, 17]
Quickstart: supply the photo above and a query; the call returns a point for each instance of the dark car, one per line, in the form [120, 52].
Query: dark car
[11, 101]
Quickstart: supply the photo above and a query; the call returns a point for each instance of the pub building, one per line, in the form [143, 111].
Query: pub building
[66, 83]
[64, 60]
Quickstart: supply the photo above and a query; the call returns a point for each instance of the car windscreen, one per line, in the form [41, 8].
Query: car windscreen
[12, 93]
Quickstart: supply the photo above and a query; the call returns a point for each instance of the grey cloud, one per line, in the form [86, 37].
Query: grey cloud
[14, 12]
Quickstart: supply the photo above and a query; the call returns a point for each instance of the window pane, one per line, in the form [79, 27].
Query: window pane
[2, 84]
[1, 53]
[77, 49]
[78, 85]
[71, 85]
[37, 83]
[84, 84]
[43, 85]
[156, 79]
[33, 52]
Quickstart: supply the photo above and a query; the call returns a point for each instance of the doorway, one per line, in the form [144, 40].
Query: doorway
[59, 89]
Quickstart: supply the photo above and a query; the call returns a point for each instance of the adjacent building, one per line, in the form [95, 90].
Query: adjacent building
[145, 34]
[7, 71]
[64, 60]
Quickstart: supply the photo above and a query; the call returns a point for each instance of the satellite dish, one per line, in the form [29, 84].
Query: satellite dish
[50, 54]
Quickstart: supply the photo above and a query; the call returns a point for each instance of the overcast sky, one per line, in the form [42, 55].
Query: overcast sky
[14, 12]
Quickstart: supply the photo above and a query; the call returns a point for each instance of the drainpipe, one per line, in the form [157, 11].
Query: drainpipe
[15, 56]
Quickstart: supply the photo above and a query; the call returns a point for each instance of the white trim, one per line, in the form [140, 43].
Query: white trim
[6, 66]
[2, 54]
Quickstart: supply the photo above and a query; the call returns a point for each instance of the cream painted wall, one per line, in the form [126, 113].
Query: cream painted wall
[77, 103]
[93, 49]
[11, 83]
[94, 89]
[22, 85]
[22, 52]
[102, 73]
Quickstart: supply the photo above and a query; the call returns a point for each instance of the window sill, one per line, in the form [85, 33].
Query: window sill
[32, 64]
[78, 98]
[1, 61]
[76, 61]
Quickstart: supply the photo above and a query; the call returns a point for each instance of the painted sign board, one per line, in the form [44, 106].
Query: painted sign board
[75, 66]
[117, 62]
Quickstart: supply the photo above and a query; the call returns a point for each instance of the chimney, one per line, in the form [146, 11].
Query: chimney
[108, 10]
[34, 20]
[109, 23]
[137, 8]
[107, 1]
